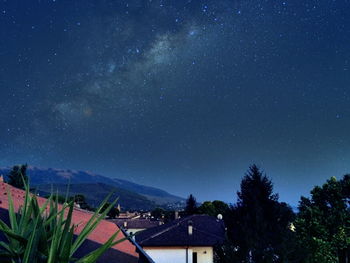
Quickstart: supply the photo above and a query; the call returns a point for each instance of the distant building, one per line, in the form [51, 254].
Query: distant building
[186, 240]
[129, 215]
[132, 226]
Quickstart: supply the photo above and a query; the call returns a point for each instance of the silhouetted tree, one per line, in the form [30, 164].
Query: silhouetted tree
[113, 213]
[323, 222]
[163, 215]
[226, 252]
[18, 176]
[81, 201]
[259, 225]
[158, 213]
[214, 208]
[191, 205]
[207, 208]
[221, 207]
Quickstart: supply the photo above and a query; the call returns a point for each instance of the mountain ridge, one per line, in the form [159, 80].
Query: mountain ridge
[41, 178]
[127, 199]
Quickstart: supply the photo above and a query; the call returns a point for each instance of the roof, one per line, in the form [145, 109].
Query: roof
[80, 217]
[207, 231]
[135, 223]
[143, 256]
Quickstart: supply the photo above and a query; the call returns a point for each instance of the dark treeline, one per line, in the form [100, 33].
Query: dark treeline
[260, 229]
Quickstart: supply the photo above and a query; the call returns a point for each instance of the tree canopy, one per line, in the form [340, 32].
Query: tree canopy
[18, 176]
[214, 208]
[81, 201]
[113, 211]
[259, 224]
[323, 222]
[191, 205]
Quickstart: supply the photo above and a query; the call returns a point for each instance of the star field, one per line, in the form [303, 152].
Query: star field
[182, 95]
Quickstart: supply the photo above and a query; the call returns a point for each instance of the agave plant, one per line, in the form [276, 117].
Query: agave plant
[45, 234]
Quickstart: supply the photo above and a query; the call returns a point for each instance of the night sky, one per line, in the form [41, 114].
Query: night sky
[181, 95]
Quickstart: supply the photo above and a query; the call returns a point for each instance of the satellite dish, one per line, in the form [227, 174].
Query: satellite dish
[220, 216]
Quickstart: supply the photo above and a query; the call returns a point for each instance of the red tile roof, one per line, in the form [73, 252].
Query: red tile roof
[100, 235]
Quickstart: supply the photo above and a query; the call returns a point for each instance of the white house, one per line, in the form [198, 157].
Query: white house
[186, 240]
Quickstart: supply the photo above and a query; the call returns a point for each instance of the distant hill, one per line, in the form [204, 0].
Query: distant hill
[93, 186]
[157, 195]
[96, 192]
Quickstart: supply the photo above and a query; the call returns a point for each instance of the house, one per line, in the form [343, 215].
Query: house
[132, 226]
[128, 215]
[125, 252]
[187, 240]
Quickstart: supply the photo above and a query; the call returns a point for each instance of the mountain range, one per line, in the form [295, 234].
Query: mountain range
[96, 187]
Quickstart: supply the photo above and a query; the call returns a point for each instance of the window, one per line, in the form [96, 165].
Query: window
[194, 257]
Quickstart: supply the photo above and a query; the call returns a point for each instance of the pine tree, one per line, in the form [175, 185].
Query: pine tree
[259, 224]
[18, 176]
[191, 205]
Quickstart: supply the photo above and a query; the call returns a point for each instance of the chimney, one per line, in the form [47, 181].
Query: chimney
[190, 228]
[1, 179]
[125, 224]
[176, 215]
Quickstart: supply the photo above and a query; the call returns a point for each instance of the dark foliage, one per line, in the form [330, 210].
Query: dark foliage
[163, 214]
[191, 205]
[113, 212]
[214, 208]
[323, 222]
[259, 225]
[226, 253]
[81, 201]
[18, 176]
[158, 213]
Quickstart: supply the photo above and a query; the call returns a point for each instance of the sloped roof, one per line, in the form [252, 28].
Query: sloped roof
[137, 223]
[80, 217]
[207, 231]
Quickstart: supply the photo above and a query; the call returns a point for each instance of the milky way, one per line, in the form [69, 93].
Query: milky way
[182, 95]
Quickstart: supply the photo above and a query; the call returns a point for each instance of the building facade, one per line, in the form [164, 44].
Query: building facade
[187, 240]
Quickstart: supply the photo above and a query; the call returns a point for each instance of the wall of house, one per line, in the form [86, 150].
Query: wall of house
[169, 255]
[204, 254]
[178, 254]
[134, 230]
